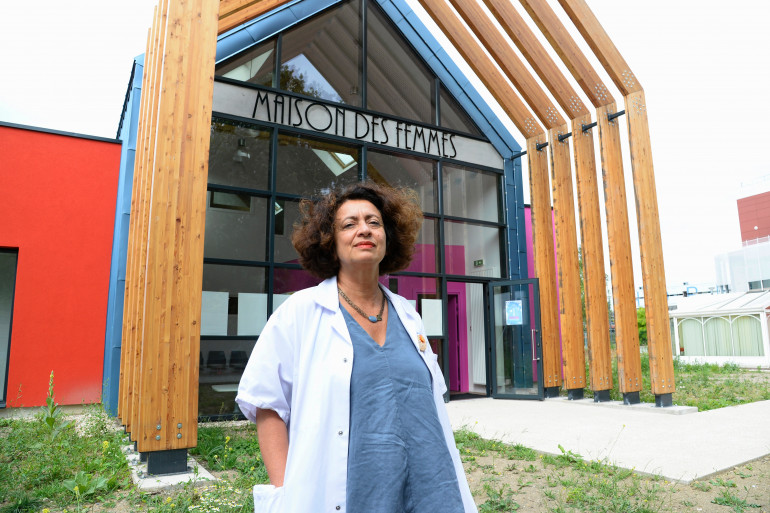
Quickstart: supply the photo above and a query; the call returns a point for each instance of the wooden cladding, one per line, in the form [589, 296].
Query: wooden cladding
[161, 322]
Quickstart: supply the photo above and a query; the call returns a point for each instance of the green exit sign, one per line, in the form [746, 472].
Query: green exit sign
[478, 263]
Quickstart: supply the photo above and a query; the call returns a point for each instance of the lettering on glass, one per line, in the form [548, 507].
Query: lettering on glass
[325, 118]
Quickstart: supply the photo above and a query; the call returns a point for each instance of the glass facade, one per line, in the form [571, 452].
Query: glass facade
[261, 171]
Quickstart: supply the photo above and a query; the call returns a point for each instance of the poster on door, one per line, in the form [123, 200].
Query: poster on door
[513, 313]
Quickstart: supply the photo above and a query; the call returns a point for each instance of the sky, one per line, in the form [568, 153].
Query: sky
[704, 66]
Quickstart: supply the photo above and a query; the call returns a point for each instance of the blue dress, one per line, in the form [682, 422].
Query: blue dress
[398, 461]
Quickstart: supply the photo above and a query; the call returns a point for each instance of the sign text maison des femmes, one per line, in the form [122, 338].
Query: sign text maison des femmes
[334, 119]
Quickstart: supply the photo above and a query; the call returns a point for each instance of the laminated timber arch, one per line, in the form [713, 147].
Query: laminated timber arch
[161, 323]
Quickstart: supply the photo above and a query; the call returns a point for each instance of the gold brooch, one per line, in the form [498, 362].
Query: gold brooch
[423, 343]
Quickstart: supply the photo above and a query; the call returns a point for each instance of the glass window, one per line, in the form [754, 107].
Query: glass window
[236, 226]
[425, 256]
[308, 166]
[397, 82]
[691, 337]
[747, 336]
[471, 249]
[322, 56]
[405, 171]
[255, 65]
[453, 116]
[286, 214]
[471, 193]
[425, 296]
[717, 338]
[234, 300]
[239, 155]
[288, 281]
[8, 259]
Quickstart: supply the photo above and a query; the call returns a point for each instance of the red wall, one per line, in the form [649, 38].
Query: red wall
[58, 208]
[754, 211]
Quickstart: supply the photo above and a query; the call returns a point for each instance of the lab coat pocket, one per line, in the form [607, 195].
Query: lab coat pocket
[268, 498]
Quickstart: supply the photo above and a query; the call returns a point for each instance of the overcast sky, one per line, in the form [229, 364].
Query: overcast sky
[704, 66]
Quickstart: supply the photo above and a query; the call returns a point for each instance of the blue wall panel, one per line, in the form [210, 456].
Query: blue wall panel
[113, 332]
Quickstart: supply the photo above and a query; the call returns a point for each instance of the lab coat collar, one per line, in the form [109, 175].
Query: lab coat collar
[328, 298]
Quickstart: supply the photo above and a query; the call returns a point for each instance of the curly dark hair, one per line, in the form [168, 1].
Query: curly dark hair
[313, 236]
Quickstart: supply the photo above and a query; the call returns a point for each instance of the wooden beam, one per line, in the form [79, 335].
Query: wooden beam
[619, 241]
[168, 383]
[653, 273]
[601, 44]
[542, 224]
[617, 214]
[483, 66]
[137, 244]
[514, 69]
[548, 23]
[570, 308]
[237, 12]
[651, 247]
[545, 265]
[585, 161]
[537, 57]
[126, 342]
[571, 325]
[597, 316]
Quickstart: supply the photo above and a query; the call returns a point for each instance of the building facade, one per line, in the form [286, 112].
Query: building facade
[332, 94]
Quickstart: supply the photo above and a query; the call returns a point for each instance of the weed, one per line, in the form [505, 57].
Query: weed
[499, 500]
[702, 486]
[738, 505]
[718, 481]
[51, 413]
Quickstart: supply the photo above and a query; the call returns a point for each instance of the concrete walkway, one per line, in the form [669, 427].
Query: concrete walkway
[677, 443]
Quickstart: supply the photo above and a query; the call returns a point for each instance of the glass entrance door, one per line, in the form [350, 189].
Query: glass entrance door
[516, 366]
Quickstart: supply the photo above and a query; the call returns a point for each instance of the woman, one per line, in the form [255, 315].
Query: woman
[345, 391]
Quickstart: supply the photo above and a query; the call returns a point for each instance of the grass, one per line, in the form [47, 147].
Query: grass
[36, 469]
[50, 463]
[705, 386]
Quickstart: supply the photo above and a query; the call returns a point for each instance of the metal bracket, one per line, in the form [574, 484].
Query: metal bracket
[611, 117]
[541, 146]
[562, 137]
[586, 128]
[518, 155]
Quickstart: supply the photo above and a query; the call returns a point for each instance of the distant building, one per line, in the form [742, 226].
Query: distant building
[748, 268]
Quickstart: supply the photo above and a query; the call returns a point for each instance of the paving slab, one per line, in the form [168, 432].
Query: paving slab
[677, 443]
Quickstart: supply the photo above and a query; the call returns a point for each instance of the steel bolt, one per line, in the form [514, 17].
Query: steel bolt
[157, 437]
[157, 427]
[179, 426]
[179, 435]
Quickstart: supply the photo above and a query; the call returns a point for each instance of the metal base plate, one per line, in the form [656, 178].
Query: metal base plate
[631, 398]
[574, 394]
[601, 396]
[166, 462]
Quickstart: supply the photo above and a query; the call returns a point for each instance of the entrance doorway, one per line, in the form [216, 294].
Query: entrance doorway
[466, 340]
[516, 366]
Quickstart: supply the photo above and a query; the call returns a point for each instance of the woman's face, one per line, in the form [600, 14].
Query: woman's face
[359, 234]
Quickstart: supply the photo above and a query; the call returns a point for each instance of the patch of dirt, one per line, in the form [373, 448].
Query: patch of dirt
[543, 488]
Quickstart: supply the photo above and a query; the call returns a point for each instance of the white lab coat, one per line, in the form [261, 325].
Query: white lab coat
[300, 368]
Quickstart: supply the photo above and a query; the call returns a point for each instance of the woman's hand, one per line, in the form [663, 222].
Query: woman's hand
[273, 444]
